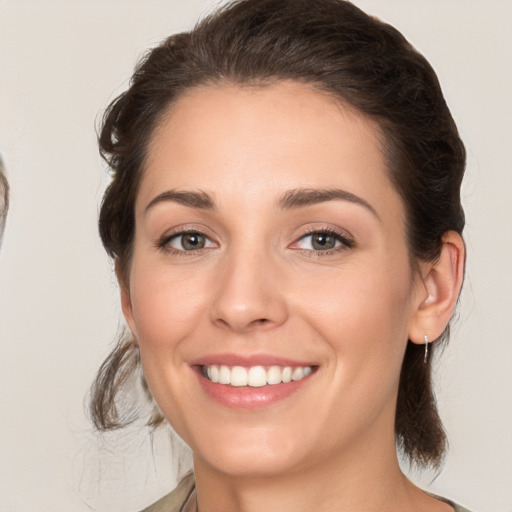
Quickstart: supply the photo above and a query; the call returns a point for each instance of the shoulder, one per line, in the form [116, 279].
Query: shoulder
[174, 501]
[456, 508]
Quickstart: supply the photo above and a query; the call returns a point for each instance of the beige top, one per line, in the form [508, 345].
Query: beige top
[183, 499]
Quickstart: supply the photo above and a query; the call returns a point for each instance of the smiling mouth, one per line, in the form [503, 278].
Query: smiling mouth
[254, 376]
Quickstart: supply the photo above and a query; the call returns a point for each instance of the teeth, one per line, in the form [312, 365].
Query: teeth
[274, 375]
[238, 376]
[287, 374]
[214, 373]
[224, 375]
[255, 376]
[298, 373]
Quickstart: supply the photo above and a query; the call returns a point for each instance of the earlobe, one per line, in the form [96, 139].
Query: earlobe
[442, 281]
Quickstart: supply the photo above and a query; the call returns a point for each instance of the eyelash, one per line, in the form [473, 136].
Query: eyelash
[346, 242]
[163, 243]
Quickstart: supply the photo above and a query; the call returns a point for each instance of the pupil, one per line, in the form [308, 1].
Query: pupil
[323, 242]
[192, 241]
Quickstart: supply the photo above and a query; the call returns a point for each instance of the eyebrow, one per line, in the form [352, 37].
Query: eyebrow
[296, 198]
[300, 197]
[193, 199]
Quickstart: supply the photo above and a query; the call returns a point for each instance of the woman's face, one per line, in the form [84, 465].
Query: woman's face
[270, 246]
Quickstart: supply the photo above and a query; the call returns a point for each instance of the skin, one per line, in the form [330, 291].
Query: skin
[260, 286]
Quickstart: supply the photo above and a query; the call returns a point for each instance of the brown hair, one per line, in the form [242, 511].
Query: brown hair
[4, 198]
[337, 48]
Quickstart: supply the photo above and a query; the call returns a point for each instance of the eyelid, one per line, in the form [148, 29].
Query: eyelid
[162, 243]
[346, 240]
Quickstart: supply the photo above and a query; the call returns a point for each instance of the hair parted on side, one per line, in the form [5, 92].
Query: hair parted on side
[339, 50]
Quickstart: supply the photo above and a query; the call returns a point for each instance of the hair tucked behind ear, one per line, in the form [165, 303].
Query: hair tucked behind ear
[338, 49]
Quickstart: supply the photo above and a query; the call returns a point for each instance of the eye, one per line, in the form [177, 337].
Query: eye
[186, 241]
[323, 241]
[320, 242]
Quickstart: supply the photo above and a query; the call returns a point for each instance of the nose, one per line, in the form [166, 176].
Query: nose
[249, 293]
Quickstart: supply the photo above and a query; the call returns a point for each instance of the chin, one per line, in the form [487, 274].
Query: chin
[245, 466]
[257, 457]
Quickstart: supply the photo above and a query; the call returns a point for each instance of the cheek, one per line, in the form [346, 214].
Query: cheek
[166, 308]
[165, 305]
[363, 314]
[366, 330]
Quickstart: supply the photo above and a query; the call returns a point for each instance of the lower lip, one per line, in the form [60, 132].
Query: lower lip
[248, 397]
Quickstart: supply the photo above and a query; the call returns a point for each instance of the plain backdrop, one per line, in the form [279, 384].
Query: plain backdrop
[60, 64]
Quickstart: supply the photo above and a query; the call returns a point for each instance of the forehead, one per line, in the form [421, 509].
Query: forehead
[250, 141]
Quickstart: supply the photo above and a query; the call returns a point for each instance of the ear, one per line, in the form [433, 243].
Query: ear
[126, 301]
[442, 281]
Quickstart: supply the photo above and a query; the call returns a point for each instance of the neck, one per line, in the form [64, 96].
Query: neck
[363, 478]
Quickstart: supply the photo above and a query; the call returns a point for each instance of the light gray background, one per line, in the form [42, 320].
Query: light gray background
[60, 64]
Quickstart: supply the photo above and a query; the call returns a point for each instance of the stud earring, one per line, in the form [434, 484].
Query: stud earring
[426, 349]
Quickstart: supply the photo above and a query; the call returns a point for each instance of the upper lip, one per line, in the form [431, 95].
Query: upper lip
[248, 360]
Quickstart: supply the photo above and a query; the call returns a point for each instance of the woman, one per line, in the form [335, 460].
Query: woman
[286, 225]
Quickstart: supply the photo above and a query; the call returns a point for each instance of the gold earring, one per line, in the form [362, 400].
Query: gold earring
[426, 349]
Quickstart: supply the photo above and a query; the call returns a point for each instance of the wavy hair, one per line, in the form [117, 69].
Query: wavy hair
[338, 49]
